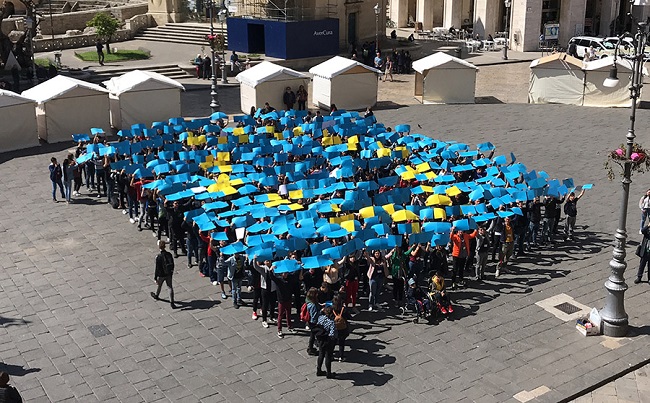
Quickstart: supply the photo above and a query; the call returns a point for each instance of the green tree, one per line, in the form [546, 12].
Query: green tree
[106, 25]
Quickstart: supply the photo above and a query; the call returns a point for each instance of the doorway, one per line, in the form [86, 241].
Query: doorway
[352, 29]
[256, 38]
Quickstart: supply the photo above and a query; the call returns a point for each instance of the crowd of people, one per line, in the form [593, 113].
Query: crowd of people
[312, 212]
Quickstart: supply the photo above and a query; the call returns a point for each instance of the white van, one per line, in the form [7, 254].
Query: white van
[583, 43]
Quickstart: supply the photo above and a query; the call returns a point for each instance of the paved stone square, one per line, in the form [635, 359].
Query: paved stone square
[66, 269]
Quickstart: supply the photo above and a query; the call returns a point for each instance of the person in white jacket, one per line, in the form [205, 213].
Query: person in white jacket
[644, 205]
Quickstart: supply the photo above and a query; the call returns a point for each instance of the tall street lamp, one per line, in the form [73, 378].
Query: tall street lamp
[214, 96]
[615, 319]
[223, 14]
[507, 3]
[376, 8]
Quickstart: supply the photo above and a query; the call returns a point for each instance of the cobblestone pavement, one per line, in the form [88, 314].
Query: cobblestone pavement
[632, 387]
[68, 269]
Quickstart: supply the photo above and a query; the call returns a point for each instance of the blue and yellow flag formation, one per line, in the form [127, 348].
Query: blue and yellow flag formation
[338, 184]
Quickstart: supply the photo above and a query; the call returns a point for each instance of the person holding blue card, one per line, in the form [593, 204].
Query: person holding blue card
[460, 241]
[571, 212]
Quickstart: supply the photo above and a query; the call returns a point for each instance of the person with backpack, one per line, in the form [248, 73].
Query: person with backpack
[327, 338]
[341, 323]
[164, 272]
[309, 314]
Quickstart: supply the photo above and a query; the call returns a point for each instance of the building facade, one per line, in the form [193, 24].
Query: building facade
[559, 20]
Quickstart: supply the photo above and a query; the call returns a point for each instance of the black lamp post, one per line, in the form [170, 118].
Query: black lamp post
[376, 8]
[223, 14]
[507, 3]
[615, 319]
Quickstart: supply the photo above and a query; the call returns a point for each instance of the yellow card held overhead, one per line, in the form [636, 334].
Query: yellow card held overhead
[367, 212]
[439, 213]
[295, 194]
[453, 191]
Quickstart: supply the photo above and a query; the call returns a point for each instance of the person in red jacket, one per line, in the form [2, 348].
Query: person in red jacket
[460, 252]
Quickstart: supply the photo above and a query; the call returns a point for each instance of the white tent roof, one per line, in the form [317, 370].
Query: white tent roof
[57, 86]
[336, 66]
[267, 71]
[606, 63]
[440, 59]
[561, 57]
[8, 98]
[142, 81]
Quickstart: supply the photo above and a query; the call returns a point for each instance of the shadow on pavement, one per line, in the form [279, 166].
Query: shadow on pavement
[366, 378]
[196, 304]
[635, 331]
[386, 105]
[7, 322]
[17, 370]
[488, 100]
[44, 148]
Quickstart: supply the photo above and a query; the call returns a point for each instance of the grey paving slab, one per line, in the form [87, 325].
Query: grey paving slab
[68, 267]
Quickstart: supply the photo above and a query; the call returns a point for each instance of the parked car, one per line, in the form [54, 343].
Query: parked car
[583, 43]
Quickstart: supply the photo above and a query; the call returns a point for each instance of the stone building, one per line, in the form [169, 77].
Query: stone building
[527, 18]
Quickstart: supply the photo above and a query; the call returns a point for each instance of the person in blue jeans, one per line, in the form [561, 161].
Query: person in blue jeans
[55, 177]
[377, 272]
[236, 274]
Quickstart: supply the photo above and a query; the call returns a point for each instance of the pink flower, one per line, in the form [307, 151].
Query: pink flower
[637, 156]
[620, 152]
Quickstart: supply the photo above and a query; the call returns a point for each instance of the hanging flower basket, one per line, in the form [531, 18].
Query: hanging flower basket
[638, 160]
[216, 42]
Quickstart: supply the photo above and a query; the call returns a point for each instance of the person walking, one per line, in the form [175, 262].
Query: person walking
[8, 394]
[507, 245]
[100, 52]
[313, 308]
[164, 272]
[207, 70]
[643, 252]
[68, 174]
[55, 177]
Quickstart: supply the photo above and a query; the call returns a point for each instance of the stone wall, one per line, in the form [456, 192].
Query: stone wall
[60, 23]
[133, 25]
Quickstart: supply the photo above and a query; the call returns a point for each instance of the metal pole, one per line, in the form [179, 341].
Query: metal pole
[377, 30]
[615, 319]
[505, 48]
[214, 104]
[51, 22]
[224, 73]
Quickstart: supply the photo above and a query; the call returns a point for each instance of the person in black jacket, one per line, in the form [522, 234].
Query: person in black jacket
[571, 212]
[164, 272]
[288, 98]
[175, 218]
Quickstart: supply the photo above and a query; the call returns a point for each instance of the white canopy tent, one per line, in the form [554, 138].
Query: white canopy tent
[562, 79]
[556, 79]
[266, 82]
[69, 106]
[344, 82]
[18, 129]
[143, 97]
[444, 79]
[596, 94]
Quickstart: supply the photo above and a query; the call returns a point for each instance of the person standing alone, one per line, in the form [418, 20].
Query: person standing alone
[164, 272]
[100, 52]
[55, 176]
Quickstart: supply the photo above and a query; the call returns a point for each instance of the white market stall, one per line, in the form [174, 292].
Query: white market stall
[143, 97]
[18, 129]
[556, 79]
[69, 106]
[344, 82]
[596, 94]
[443, 79]
[266, 82]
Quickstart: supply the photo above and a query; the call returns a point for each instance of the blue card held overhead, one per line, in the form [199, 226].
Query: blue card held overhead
[587, 186]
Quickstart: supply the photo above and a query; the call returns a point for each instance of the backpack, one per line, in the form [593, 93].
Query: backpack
[304, 313]
[168, 263]
[339, 320]
[115, 202]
